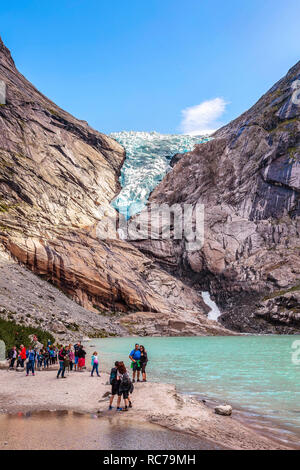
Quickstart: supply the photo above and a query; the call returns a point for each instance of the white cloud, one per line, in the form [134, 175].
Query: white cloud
[202, 118]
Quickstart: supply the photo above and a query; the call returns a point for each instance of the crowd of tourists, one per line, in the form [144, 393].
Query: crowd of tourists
[71, 358]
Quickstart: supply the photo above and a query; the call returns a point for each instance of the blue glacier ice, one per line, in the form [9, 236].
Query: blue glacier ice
[148, 156]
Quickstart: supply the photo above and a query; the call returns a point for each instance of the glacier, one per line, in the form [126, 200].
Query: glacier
[148, 156]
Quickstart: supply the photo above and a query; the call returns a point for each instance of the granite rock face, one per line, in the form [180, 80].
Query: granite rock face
[57, 178]
[31, 301]
[248, 178]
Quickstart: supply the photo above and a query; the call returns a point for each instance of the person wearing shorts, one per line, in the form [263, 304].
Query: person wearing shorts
[114, 382]
[135, 357]
[125, 387]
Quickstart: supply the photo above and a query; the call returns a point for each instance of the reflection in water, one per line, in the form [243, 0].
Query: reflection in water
[72, 430]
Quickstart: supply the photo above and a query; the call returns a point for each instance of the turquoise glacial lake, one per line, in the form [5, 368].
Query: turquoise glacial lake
[255, 374]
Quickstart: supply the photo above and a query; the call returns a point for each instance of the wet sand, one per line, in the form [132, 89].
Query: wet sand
[89, 431]
[154, 403]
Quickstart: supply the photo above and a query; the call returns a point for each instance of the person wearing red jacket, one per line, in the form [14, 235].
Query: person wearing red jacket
[22, 354]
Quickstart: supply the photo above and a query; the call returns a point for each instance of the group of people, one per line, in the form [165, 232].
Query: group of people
[120, 381]
[68, 357]
[72, 358]
[33, 357]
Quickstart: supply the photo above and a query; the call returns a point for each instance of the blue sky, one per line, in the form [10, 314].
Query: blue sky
[148, 65]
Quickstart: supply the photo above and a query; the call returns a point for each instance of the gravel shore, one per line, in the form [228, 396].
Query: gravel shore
[152, 403]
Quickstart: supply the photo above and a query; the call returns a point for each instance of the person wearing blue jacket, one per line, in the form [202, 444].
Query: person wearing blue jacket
[135, 357]
[30, 356]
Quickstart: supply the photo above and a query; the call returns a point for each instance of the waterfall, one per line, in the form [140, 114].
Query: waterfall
[214, 312]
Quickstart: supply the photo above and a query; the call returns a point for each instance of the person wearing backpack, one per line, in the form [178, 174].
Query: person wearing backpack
[125, 387]
[61, 357]
[113, 380]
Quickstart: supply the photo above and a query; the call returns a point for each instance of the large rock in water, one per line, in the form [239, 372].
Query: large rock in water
[248, 178]
[55, 174]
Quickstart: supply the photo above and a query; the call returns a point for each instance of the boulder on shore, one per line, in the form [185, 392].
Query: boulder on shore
[224, 410]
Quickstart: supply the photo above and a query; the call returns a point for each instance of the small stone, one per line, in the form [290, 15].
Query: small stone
[224, 410]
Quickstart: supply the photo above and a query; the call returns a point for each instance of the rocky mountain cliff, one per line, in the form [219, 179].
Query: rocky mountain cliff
[56, 172]
[248, 178]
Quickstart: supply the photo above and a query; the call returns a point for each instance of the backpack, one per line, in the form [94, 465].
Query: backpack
[61, 355]
[126, 382]
[113, 376]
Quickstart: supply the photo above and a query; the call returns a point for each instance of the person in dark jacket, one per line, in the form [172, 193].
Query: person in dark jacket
[76, 359]
[143, 362]
[114, 384]
[81, 358]
[12, 356]
[125, 387]
[61, 357]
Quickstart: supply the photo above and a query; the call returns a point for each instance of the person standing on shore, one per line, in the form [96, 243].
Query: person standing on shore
[125, 386]
[61, 357]
[135, 357]
[12, 356]
[19, 360]
[67, 359]
[143, 361]
[46, 358]
[72, 358]
[114, 384]
[40, 359]
[81, 358]
[30, 356]
[52, 354]
[95, 364]
[76, 349]
[22, 355]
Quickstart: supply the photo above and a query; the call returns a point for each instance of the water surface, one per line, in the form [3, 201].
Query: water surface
[61, 430]
[254, 373]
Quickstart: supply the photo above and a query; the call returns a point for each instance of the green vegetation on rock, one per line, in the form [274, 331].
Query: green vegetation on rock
[15, 335]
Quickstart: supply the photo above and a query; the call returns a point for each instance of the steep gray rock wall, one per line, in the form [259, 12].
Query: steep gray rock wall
[248, 178]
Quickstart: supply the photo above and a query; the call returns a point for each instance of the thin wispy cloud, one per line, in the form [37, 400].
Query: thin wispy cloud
[203, 118]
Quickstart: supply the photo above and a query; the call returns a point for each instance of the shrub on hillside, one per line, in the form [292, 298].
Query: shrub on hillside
[15, 335]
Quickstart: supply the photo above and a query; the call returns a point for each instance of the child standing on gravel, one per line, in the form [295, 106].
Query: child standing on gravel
[95, 364]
